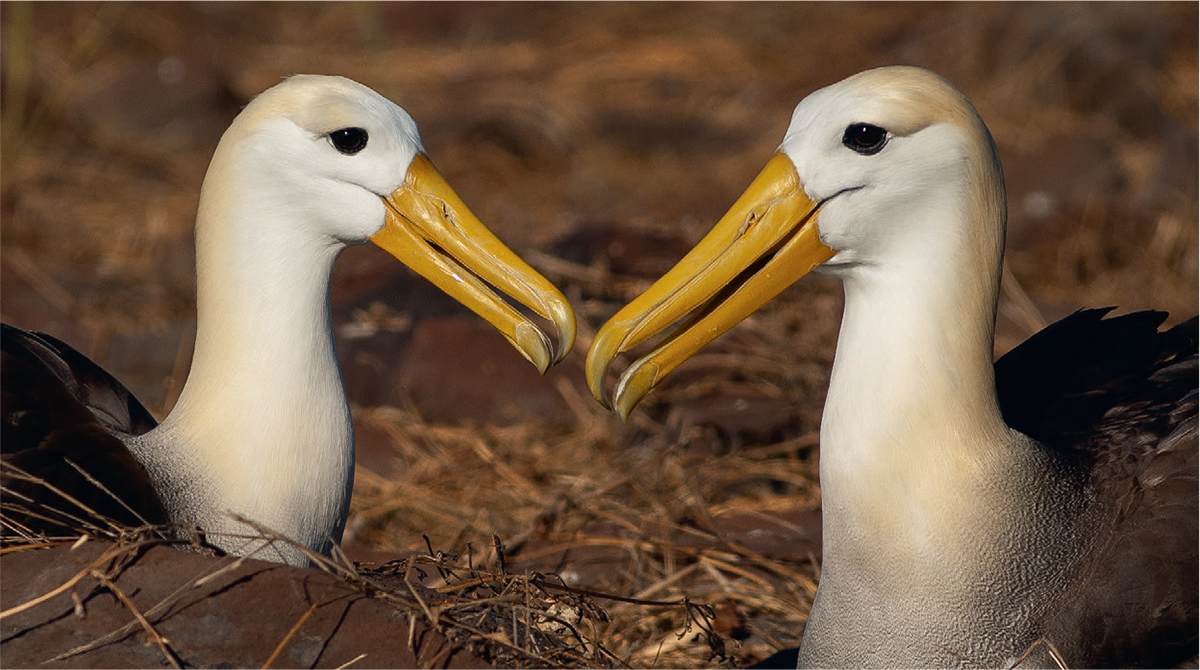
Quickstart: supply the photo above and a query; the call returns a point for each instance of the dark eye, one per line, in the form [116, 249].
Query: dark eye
[349, 140]
[865, 138]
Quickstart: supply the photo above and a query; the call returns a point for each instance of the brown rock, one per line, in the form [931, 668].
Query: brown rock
[242, 617]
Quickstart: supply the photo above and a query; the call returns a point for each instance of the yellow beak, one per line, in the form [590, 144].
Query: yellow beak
[773, 223]
[429, 229]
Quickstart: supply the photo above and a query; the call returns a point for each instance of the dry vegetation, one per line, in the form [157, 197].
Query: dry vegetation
[599, 141]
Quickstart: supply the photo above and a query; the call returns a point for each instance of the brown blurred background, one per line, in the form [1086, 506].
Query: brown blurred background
[600, 141]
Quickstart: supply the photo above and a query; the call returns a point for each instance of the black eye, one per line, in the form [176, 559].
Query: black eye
[349, 140]
[865, 138]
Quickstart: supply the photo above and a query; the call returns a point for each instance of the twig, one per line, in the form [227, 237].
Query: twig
[290, 634]
[499, 551]
[96, 482]
[154, 635]
[43, 598]
[433, 621]
[21, 474]
[1050, 649]
[352, 661]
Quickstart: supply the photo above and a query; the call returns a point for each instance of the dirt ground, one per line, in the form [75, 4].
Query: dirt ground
[600, 141]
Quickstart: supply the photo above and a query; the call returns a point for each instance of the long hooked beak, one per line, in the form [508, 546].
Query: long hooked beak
[774, 223]
[431, 230]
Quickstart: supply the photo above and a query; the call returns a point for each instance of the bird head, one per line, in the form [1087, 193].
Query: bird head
[871, 173]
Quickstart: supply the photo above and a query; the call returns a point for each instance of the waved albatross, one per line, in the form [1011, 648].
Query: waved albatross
[1039, 511]
[262, 427]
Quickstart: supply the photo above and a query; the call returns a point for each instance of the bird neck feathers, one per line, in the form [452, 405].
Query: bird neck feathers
[262, 427]
[911, 424]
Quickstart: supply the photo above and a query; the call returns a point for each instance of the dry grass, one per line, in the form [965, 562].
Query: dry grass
[553, 121]
[630, 516]
[511, 620]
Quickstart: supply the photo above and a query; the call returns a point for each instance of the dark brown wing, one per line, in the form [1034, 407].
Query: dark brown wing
[59, 408]
[1120, 396]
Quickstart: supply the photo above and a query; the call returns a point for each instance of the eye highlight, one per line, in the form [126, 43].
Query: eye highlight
[349, 141]
[865, 139]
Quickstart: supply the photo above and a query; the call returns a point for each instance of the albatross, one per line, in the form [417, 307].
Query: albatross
[1038, 511]
[262, 428]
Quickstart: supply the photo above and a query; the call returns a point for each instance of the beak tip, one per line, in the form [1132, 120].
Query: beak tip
[597, 388]
[565, 321]
[534, 344]
[624, 413]
[637, 382]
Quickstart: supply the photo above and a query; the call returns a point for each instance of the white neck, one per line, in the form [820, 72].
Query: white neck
[911, 415]
[262, 428]
[931, 504]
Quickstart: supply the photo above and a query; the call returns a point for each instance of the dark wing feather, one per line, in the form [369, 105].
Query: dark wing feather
[59, 408]
[1120, 396]
[1057, 385]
